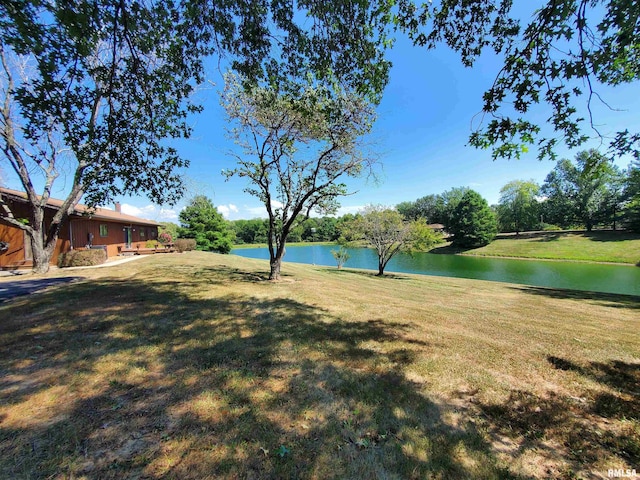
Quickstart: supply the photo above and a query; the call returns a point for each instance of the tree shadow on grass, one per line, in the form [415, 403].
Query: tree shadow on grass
[450, 249]
[365, 273]
[551, 237]
[611, 236]
[133, 379]
[602, 424]
[597, 298]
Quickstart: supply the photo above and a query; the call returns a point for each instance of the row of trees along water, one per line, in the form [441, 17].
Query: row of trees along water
[586, 193]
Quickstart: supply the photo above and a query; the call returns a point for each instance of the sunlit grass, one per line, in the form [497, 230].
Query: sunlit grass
[615, 247]
[195, 366]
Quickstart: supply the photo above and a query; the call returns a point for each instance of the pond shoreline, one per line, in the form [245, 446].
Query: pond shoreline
[606, 247]
[605, 277]
[453, 252]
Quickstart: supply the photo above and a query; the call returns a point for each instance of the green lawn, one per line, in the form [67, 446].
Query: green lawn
[193, 366]
[616, 247]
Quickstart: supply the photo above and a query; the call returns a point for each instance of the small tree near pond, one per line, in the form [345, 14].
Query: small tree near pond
[386, 230]
[341, 255]
[295, 148]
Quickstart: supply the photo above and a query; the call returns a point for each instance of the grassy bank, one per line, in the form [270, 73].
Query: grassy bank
[193, 366]
[614, 247]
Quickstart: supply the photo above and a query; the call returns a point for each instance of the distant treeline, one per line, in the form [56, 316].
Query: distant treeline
[314, 229]
[589, 193]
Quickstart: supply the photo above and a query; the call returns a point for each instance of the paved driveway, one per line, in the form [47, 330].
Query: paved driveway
[16, 288]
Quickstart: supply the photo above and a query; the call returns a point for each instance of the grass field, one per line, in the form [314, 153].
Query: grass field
[597, 246]
[192, 366]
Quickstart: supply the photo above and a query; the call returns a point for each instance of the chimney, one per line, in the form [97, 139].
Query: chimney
[118, 207]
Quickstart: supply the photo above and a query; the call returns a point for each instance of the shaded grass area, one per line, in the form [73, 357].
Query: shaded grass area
[596, 246]
[194, 366]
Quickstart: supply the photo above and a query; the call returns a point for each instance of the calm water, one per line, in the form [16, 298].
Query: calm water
[577, 276]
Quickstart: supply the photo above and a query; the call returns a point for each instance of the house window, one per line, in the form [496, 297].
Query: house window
[104, 231]
[142, 232]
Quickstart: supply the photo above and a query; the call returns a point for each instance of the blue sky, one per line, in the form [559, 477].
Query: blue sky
[424, 122]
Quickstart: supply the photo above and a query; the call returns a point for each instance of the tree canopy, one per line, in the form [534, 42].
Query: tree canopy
[388, 233]
[518, 207]
[95, 90]
[295, 150]
[632, 196]
[558, 59]
[579, 193]
[201, 221]
[474, 223]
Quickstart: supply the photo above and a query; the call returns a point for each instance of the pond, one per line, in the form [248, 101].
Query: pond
[595, 277]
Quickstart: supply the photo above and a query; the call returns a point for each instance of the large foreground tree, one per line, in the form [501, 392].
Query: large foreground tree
[92, 90]
[295, 149]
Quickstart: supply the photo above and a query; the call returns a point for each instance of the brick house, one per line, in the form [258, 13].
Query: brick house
[85, 228]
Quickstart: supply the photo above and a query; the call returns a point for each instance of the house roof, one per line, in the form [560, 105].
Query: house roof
[84, 210]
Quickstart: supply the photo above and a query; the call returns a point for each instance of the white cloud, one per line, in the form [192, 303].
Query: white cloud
[352, 209]
[256, 212]
[168, 214]
[261, 211]
[150, 212]
[227, 210]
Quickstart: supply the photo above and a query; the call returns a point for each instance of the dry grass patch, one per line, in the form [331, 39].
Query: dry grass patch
[195, 366]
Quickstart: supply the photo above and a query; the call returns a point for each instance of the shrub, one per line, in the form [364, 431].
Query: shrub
[82, 258]
[185, 244]
[548, 227]
[151, 244]
[165, 237]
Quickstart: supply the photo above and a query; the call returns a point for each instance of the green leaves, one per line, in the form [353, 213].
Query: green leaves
[295, 147]
[555, 63]
[202, 221]
[106, 89]
[474, 223]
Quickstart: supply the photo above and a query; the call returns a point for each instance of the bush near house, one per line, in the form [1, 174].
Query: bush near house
[185, 244]
[82, 258]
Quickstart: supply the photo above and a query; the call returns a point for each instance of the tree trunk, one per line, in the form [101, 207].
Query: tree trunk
[276, 263]
[381, 266]
[42, 244]
[41, 253]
